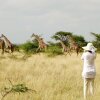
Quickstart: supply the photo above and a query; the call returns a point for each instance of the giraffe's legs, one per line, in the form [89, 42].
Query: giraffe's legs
[2, 48]
[45, 48]
[77, 51]
[2, 51]
[69, 53]
[38, 49]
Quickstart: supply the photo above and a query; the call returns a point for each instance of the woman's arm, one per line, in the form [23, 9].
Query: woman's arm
[95, 55]
[82, 57]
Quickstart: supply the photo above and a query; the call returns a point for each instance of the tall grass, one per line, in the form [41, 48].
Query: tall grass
[54, 78]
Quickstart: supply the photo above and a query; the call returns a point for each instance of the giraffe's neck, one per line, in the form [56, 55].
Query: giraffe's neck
[37, 38]
[71, 42]
[41, 42]
[63, 45]
[7, 42]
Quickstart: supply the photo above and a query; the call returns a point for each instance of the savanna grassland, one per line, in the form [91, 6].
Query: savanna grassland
[53, 78]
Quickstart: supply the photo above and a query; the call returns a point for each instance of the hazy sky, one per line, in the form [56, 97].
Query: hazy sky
[20, 18]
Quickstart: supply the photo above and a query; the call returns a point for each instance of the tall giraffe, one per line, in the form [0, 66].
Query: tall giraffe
[41, 43]
[73, 44]
[2, 45]
[64, 48]
[8, 44]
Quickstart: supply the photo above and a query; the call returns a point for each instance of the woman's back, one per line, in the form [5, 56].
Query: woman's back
[89, 58]
[89, 66]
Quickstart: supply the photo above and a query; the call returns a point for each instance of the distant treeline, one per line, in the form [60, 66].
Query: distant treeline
[55, 47]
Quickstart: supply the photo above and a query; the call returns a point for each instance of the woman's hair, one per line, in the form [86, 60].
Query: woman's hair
[88, 51]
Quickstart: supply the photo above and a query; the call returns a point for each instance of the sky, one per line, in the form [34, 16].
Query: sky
[20, 18]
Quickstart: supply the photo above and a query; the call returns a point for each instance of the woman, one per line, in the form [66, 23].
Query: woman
[89, 70]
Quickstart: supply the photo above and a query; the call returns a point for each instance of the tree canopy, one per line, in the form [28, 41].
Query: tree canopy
[61, 35]
[97, 40]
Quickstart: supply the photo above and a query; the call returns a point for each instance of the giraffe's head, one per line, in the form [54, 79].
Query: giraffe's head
[2, 35]
[32, 35]
[41, 38]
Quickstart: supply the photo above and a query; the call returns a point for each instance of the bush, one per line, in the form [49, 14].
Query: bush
[29, 47]
[97, 45]
[16, 47]
[54, 51]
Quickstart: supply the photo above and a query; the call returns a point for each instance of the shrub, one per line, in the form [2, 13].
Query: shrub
[54, 51]
[29, 47]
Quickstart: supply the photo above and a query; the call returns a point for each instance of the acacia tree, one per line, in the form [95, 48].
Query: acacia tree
[79, 40]
[96, 42]
[97, 36]
[62, 36]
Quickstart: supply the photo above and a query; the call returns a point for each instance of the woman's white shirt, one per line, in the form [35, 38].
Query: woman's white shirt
[89, 70]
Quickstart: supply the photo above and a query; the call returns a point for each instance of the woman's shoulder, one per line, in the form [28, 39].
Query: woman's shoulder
[85, 54]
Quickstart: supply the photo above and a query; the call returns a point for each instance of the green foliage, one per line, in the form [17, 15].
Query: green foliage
[54, 51]
[80, 40]
[19, 88]
[97, 45]
[97, 41]
[55, 48]
[97, 36]
[29, 47]
[16, 47]
[52, 44]
[61, 35]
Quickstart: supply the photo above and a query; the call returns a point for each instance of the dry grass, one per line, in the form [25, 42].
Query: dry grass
[56, 78]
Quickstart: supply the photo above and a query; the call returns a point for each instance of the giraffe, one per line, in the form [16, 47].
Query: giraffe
[64, 47]
[73, 44]
[2, 46]
[8, 44]
[41, 43]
